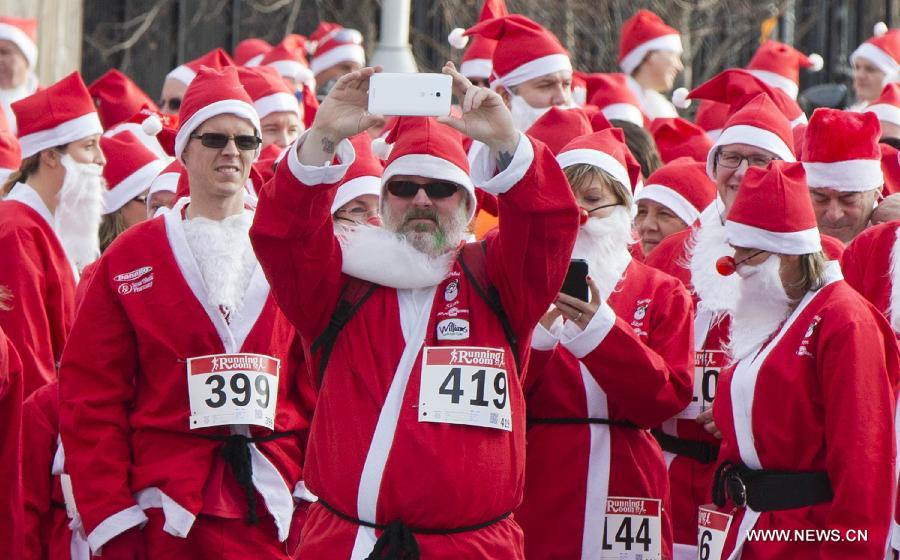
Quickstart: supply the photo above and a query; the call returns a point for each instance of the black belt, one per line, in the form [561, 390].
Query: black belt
[60, 505]
[604, 421]
[398, 541]
[236, 453]
[765, 490]
[701, 451]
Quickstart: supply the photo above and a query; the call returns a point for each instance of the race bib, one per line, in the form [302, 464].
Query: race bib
[65, 481]
[712, 528]
[707, 365]
[227, 389]
[465, 385]
[632, 529]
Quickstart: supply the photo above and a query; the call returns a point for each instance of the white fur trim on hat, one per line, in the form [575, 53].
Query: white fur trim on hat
[431, 167]
[802, 119]
[21, 39]
[224, 107]
[668, 43]
[255, 60]
[714, 134]
[354, 188]
[456, 38]
[598, 159]
[476, 68]
[291, 69]
[166, 182]
[624, 112]
[782, 243]
[183, 74]
[876, 56]
[350, 51]
[672, 200]
[786, 85]
[854, 175]
[885, 112]
[277, 102]
[534, 69]
[752, 136]
[63, 133]
[131, 187]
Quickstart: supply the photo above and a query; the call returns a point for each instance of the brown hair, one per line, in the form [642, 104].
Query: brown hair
[812, 273]
[111, 226]
[641, 145]
[581, 175]
[28, 166]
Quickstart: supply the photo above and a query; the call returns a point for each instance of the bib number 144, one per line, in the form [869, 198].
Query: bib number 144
[632, 529]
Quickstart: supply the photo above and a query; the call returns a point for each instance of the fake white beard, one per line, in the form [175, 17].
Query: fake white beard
[716, 292]
[523, 114]
[762, 306]
[603, 243]
[225, 258]
[79, 210]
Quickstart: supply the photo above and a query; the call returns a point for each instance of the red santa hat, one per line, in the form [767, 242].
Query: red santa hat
[332, 44]
[735, 87]
[424, 147]
[364, 175]
[167, 180]
[525, 50]
[558, 126]
[677, 137]
[778, 65]
[10, 154]
[23, 34]
[476, 62]
[643, 33]
[615, 99]
[882, 50]
[605, 150]
[268, 91]
[711, 117]
[682, 186]
[250, 52]
[289, 59]
[57, 115]
[841, 151]
[130, 169]
[216, 59]
[118, 98]
[887, 106]
[212, 93]
[773, 212]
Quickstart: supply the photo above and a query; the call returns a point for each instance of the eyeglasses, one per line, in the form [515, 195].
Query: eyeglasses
[174, 104]
[217, 141]
[733, 160]
[408, 189]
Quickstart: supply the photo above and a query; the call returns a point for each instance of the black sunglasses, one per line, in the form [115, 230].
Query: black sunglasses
[218, 141]
[408, 189]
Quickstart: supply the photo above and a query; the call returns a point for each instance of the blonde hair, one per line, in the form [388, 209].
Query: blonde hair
[812, 273]
[111, 226]
[581, 175]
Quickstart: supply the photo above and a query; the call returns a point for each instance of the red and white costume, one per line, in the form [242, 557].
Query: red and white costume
[369, 456]
[12, 524]
[643, 33]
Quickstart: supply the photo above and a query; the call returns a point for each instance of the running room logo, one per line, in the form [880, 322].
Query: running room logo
[135, 281]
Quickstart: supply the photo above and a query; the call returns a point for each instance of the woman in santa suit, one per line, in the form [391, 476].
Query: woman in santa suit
[806, 411]
[601, 374]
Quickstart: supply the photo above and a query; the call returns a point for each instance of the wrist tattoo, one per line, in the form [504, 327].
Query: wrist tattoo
[328, 145]
[503, 160]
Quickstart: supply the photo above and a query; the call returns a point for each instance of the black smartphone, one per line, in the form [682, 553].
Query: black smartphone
[575, 283]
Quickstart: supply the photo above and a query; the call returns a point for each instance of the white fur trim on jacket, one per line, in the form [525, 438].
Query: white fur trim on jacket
[312, 175]
[582, 342]
[854, 175]
[668, 43]
[115, 525]
[894, 311]
[483, 164]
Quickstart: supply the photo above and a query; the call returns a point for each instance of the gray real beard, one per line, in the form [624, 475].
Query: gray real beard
[447, 235]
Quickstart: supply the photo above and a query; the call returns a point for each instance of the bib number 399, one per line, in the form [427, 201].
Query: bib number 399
[632, 529]
[227, 389]
[465, 385]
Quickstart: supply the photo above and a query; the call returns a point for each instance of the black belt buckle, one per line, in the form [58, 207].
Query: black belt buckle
[736, 488]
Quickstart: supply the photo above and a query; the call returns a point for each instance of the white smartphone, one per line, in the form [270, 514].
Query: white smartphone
[422, 95]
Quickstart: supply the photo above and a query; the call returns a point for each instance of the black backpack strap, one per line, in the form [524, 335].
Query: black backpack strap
[474, 266]
[353, 295]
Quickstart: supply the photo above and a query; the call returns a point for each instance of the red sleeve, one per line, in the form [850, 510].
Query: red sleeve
[669, 257]
[11, 510]
[40, 432]
[293, 237]
[96, 392]
[855, 259]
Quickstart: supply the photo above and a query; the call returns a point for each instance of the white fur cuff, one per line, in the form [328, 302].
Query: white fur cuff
[312, 175]
[582, 342]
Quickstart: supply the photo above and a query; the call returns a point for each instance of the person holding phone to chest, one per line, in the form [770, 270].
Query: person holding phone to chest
[602, 373]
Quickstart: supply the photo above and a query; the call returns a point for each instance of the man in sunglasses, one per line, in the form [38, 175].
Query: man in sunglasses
[182, 412]
[419, 439]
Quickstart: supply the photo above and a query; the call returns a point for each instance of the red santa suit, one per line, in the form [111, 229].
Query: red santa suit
[12, 526]
[41, 281]
[388, 464]
[643, 329]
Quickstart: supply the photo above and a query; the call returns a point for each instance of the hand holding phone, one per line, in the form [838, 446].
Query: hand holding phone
[424, 95]
[575, 284]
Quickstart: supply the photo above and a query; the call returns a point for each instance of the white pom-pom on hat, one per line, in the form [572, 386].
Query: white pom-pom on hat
[880, 29]
[817, 62]
[381, 149]
[152, 125]
[456, 38]
[679, 98]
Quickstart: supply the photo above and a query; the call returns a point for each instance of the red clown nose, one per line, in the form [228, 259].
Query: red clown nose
[583, 216]
[726, 266]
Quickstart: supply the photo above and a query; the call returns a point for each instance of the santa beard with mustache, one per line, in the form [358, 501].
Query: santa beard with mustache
[716, 292]
[79, 208]
[762, 307]
[603, 243]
